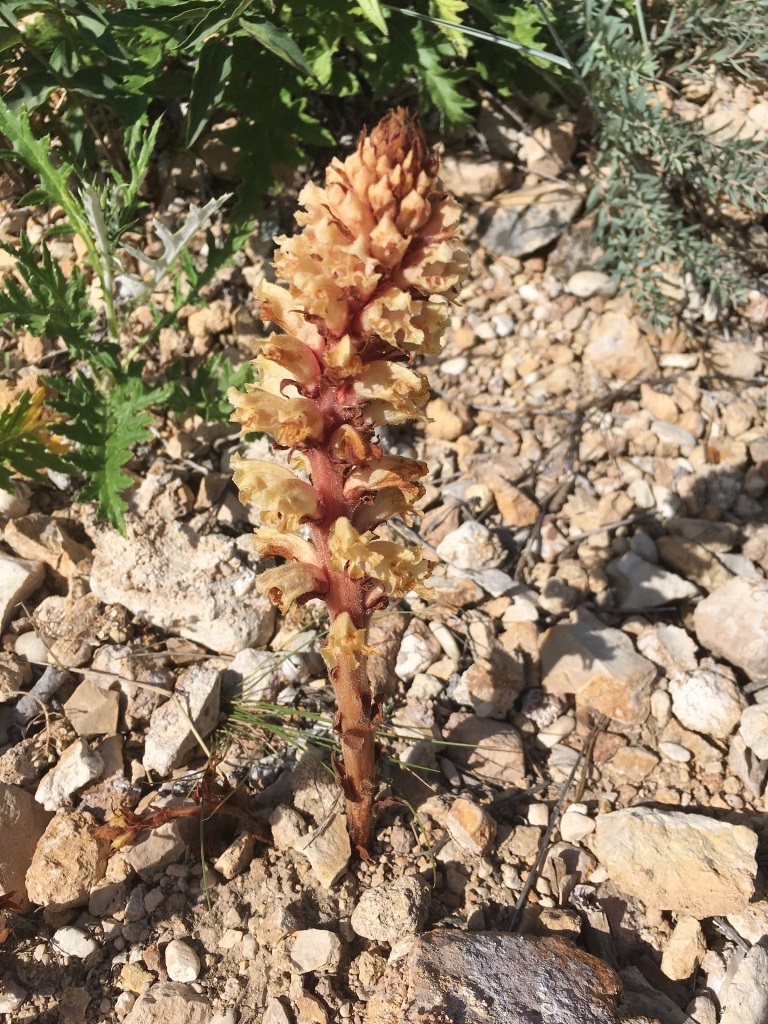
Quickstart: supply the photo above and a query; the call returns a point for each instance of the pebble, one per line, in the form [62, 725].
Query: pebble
[706, 701]
[69, 860]
[493, 750]
[684, 950]
[170, 1002]
[598, 664]
[19, 578]
[314, 949]
[470, 826]
[24, 819]
[416, 654]
[181, 961]
[170, 739]
[538, 815]
[74, 942]
[576, 824]
[12, 995]
[327, 849]
[675, 752]
[471, 546]
[586, 283]
[642, 584]
[454, 367]
[389, 912]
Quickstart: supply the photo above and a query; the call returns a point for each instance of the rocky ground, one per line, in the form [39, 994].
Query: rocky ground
[572, 825]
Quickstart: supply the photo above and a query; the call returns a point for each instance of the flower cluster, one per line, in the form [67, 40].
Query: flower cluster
[369, 279]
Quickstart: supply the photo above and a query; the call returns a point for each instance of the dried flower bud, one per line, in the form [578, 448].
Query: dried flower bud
[369, 279]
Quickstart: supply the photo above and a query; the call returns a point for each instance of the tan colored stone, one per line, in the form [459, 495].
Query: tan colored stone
[686, 863]
[471, 826]
[616, 349]
[447, 420]
[22, 823]
[69, 861]
[599, 665]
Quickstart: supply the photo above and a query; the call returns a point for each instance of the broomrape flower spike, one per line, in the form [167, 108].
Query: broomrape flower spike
[370, 276]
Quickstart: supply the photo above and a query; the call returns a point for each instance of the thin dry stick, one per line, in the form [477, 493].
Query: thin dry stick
[369, 277]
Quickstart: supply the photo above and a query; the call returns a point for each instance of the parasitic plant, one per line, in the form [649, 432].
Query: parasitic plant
[369, 278]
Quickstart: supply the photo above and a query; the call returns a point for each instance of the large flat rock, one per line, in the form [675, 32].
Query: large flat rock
[199, 587]
[686, 863]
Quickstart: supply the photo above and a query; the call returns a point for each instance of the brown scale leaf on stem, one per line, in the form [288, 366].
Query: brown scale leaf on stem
[370, 277]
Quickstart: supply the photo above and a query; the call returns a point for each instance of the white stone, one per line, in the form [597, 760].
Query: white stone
[454, 367]
[314, 949]
[18, 579]
[254, 674]
[754, 729]
[170, 739]
[732, 623]
[170, 1002]
[328, 850]
[393, 910]
[12, 995]
[706, 701]
[78, 765]
[471, 546]
[74, 942]
[746, 999]
[181, 961]
[641, 584]
[415, 655]
[675, 751]
[586, 283]
[195, 585]
[538, 815]
[576, 825]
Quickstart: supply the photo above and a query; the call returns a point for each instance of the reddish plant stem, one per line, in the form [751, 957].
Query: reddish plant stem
[356, 710]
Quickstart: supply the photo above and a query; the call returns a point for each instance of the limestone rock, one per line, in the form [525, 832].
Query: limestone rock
[42, 538]
[471, 546]
[254, 675]
[170, 1002]
[22, 823]
[616, 349]
[18, 579]
[124, 667]
[470, 826]
[68, 862]
[706, 701]
[418, 649]
[447, 421]
[642, 584]
[170, 738]
[495, 978]
[586, 283]
[599, 665]
[685, 863]
[493, 750]
[181, 961]
[393, 910]
[156, 849]
[75, 942]
[521, 222]
[197, 586]
[314, 949]
[78, 765]
[732, 623]
[684, 950]
[491, 686]
[70, 627]
[470, 178]
[328, 850]
[746, 1001]
[754, 729]
[93, 711]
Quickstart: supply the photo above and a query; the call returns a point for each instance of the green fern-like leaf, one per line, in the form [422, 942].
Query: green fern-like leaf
[105, 421]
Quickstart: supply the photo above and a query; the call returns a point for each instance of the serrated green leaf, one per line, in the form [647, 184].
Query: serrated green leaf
[279, 43]
[105, 421]
[373, 12]
[451, 10]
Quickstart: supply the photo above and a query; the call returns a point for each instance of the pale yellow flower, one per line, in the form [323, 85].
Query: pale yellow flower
[283, 500]
[344, 641]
